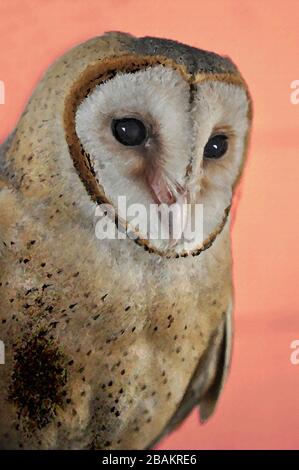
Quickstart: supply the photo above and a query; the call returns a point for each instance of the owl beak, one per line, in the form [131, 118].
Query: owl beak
[160, 189]
[167, 193]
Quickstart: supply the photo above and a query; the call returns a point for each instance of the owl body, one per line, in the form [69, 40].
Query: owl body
[110, 343]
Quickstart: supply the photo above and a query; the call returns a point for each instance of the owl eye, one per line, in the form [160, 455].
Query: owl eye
[129, 131]
[216, 146]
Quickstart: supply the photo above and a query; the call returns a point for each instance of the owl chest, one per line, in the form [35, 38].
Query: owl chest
[161, 311]
[128, 332]
[152, 335]
[160, 304]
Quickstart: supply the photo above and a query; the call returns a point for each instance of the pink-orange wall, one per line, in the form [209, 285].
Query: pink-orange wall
[260, 405]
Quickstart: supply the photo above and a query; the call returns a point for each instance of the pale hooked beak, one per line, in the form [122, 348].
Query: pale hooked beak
[160, 188]
[173, 201]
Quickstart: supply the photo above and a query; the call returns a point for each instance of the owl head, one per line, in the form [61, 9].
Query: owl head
[155, 122]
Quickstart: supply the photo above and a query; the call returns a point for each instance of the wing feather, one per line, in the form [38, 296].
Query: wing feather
[209, 377]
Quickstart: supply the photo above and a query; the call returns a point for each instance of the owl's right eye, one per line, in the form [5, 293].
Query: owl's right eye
[129, 131]
[216, 147]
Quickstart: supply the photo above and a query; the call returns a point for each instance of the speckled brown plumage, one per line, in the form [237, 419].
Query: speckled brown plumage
[128, 341]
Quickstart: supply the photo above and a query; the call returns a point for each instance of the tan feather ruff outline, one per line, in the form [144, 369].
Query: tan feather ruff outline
[104, 70]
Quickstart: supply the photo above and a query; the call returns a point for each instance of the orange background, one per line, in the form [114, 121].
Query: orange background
[260, 404]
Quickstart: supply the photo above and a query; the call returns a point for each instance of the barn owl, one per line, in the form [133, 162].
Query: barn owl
[111, 342]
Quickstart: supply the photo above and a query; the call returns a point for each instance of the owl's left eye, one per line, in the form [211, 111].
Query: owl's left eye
[216, 146]
[129, 131]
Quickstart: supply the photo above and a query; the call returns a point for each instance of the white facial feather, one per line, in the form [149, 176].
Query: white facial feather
[160, 97]
[219, 107]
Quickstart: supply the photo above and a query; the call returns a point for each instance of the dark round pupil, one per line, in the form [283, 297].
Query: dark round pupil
[216, 146]
[129, 131]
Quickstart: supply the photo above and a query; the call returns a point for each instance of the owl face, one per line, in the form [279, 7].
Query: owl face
[158, 136]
